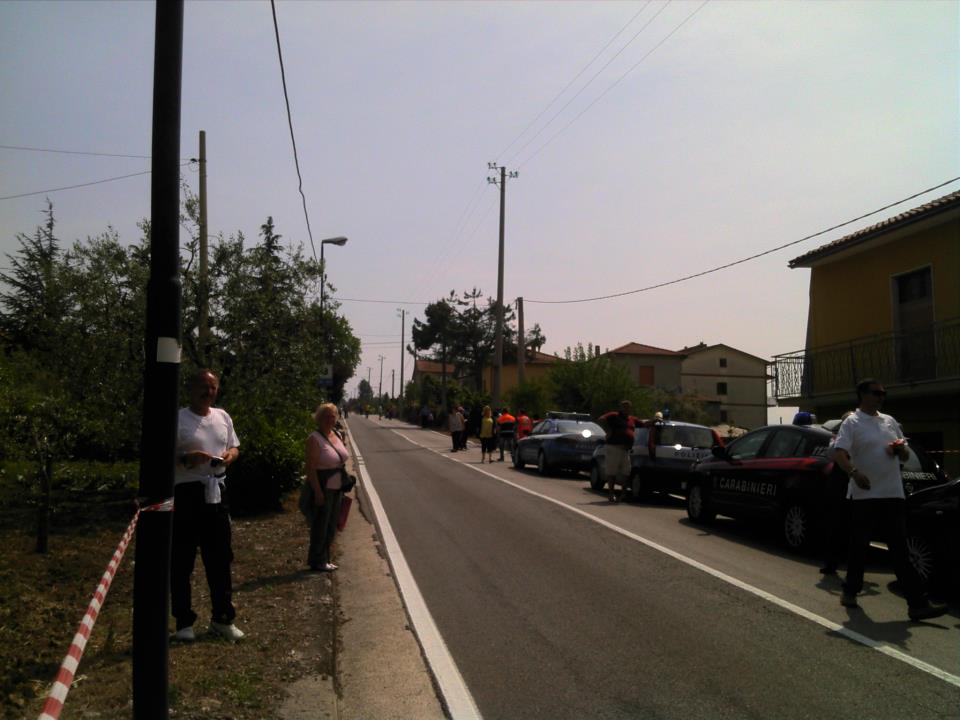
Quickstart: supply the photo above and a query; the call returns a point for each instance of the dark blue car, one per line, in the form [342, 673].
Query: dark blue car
[559, 444]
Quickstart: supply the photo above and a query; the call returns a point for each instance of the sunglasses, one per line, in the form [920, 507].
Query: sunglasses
[878, 393]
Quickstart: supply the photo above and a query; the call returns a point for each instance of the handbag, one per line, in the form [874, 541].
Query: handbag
[345, 502]
[349, 482]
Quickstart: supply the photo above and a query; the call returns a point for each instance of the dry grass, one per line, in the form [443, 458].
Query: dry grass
[288, 616]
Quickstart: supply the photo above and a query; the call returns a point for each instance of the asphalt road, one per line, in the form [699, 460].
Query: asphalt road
[550, 614]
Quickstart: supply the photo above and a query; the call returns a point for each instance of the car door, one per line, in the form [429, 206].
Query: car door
[531, 445]
[731, 480]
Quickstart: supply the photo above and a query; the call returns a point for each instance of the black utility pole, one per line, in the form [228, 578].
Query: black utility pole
[161, 377]
[498, 345]
[521, 350]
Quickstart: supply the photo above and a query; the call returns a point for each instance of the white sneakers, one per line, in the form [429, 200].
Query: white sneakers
[231, 632]
[185, 634]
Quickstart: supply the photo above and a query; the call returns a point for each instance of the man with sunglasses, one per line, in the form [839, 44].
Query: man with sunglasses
[869, 448]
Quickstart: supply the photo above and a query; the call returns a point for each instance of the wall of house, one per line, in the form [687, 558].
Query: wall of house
[666, 369]
[509, 379]
[745, 401]
[852, 297]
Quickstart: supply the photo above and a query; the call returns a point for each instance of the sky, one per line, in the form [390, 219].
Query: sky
[652, 140]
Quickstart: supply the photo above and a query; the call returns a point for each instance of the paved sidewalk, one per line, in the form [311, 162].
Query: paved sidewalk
[380, 670]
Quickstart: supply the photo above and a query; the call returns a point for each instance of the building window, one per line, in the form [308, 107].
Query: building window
[723, 416]
[721, 388]
[645, 375]
[723, 362]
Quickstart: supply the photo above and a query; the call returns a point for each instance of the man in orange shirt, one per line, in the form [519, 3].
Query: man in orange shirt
[506, 425]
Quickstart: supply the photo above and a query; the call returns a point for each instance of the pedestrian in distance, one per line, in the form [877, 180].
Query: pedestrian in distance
[524, 425]
[455, 425]
[206, 446]
[621, 426]
[325, 459]
[506, 427]
[465, 432]
[487, 438]
[869, 448]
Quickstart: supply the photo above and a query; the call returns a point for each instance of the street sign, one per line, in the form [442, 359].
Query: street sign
[325, 377]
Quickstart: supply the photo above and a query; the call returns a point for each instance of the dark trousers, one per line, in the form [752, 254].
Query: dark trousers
[323, 527]
[886, 516]
[207, 527]
[506, 444]
[455, 438]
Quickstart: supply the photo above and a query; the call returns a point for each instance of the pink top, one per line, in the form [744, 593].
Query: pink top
[323, 455]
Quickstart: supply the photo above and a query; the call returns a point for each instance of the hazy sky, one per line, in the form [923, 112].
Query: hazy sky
[751, 125]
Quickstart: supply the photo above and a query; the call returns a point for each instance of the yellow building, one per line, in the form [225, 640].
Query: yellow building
[885, 303]
[731, 383]
[535, 367]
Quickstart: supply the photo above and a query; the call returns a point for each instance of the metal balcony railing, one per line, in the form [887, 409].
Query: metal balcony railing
[931, 353]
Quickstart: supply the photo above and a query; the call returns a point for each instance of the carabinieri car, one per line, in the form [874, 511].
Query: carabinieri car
[782, 472]
[563, 441]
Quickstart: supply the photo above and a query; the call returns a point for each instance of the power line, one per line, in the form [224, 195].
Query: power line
[574, 79]
[293, 140]
[595, 75]
[80, 185]
[612, 86]
[73, 152]
[742, 260]
[384, 302]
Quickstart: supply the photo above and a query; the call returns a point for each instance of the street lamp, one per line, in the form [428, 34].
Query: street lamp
[341, 241]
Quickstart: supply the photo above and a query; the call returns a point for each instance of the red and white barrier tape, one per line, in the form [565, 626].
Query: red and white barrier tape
[61, 684]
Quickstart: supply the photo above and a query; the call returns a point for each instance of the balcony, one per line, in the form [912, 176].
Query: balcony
[911, 358]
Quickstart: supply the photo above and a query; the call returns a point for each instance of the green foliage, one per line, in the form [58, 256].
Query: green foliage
[532, 396]
[681, 406]
[594, 385]
[271, 460]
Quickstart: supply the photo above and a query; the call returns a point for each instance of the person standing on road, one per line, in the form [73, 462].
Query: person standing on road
[506, 426]
[869, 448]
[465, 432]
[487, 439]
[455, 425]
[206, 446]
[621, 426]
[326, 458]
[524, 425]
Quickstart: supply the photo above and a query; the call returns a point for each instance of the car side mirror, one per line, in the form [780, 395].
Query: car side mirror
[720, 452]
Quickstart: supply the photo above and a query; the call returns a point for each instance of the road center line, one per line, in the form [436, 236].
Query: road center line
[846, 632]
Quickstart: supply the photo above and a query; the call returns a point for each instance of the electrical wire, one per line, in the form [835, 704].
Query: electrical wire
[574, 79]
[742, 260]
[293, 140]
[73, 152]
[612, 86]
[590, 81]
[80, 185]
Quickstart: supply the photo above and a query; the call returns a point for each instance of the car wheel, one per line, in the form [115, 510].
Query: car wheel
[922, 555]
[596, 479]
[542, 467]
[699, 508]
[517, 462]
[797, 526]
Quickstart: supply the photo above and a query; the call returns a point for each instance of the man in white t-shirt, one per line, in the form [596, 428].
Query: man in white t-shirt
[870, 447]
[206, 446]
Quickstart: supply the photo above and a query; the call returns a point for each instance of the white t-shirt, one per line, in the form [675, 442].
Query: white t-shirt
[212, 433]
[865, 438]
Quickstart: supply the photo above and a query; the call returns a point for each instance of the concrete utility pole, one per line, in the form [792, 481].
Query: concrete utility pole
[161, 376]
[498, 345]
[393, 389]
[203, 322]
[380, 388]
[403, 322]
[521, 351]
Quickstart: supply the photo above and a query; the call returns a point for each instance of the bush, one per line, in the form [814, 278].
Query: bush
[270, 463]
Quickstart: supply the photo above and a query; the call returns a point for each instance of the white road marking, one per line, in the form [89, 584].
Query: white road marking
[460, 703]
[877, 645]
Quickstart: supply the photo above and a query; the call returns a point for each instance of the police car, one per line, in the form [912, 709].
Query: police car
[662, 458]
[562, 441]
[782, 473]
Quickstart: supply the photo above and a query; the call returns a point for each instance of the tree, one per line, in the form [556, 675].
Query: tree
[435, 336]
[594, 384]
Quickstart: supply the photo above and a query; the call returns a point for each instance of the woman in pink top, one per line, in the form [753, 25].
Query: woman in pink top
[326, 456]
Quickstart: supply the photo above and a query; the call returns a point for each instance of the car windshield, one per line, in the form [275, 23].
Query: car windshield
[573, 426]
